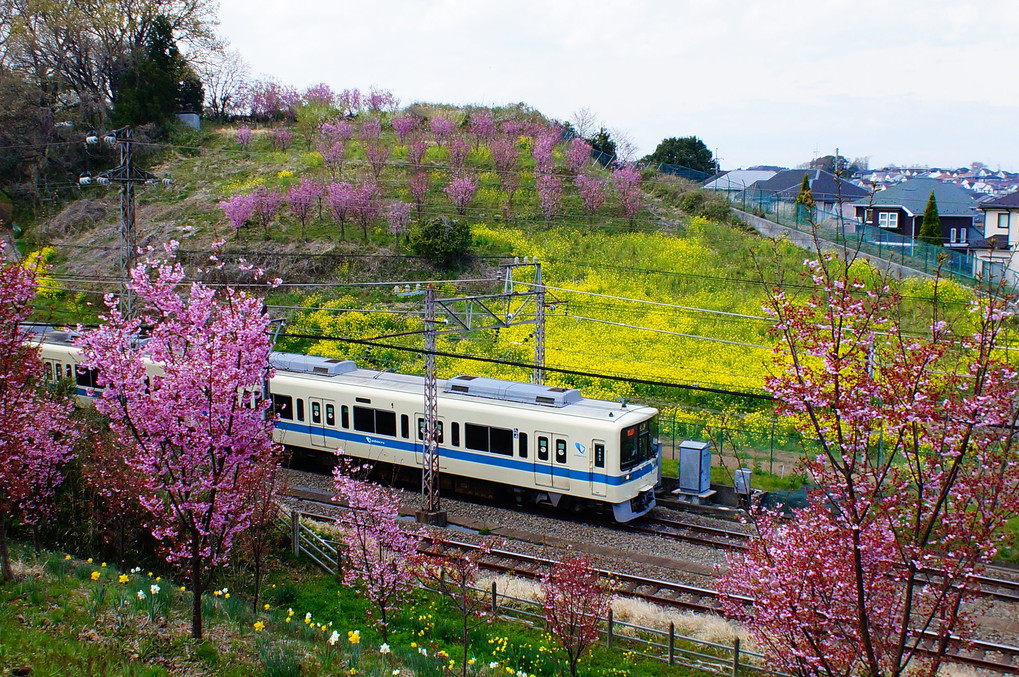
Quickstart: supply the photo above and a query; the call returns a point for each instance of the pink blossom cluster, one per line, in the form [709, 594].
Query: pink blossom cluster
[574, 600]
[592, 192]
[482, 126]
[578, 155]
[461, 191]
[544, 143]
[627, 184]
[458, 150]
[281, 138]
[319, 95]
[340, 199]
[441, 129]
[244, 135]
[404, 126]
[381, 101]
[398, 217]
[271, 100]
[550, 195]
[418, 186]
[301, 198]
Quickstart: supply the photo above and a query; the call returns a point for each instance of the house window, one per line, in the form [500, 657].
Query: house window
[868, 216]
[953, 236]
[962, 236]
[888, 219]
[1003, 221]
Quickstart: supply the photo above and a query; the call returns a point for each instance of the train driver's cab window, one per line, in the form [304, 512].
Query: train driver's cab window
[283, 406]
[316, 412]
[560, 451]
[543, 449]
[330, 415]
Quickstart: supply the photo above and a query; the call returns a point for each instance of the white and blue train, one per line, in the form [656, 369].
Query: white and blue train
[547, 444]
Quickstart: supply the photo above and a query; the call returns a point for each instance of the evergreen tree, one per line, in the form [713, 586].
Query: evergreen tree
[602, 141]
[930, 228]
[158, 81]
[805, 201]
[688, 151]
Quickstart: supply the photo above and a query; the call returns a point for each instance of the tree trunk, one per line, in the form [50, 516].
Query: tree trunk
[5, 562]
[196, 591]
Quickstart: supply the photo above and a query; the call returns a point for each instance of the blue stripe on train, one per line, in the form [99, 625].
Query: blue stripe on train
[482, 458]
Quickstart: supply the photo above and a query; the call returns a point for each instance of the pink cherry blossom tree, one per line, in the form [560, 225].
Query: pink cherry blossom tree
[340, 198]
[592, 192]
[398, 218]
[542, 152]
[418, 186]
[506, 159]
[302, 198]
[267, 205]
[550, 195]
[381, 101]
[627, 183]
[482, 127]
[458, 149]
[238, 209]
[366, 205]
[575, 599]
[404, 126]
[578, 155]
[441, 129]
[416, 150]
[377, 153]
[914, 463]
[333, 156]
[378, 552]
[319, 95]
[281, 138]
[244, 135]
[36, 432]
[350, 101]
[460, 192]
[188, 402]
[117, 486]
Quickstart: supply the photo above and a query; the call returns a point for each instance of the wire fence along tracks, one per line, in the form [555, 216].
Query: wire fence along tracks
[654, 643]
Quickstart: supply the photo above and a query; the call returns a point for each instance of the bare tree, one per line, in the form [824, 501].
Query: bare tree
[585, 122]
[626, 147]
[224, 73]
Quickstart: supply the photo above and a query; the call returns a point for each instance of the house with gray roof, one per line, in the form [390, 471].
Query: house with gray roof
[832, 195]
[737, 180]
[899, 209]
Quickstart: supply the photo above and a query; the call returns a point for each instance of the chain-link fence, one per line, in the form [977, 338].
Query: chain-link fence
[878, 242]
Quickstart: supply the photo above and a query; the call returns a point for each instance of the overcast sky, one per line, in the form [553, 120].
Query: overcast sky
[929, 82]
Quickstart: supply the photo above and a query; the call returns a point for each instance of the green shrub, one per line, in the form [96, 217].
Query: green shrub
[444, 242]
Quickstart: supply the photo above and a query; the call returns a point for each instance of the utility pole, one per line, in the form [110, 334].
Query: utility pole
[471, 313]
[430, 512]
[126, 175]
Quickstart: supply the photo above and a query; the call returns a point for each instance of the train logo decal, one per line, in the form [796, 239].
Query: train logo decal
[581, 449]
[372, 440]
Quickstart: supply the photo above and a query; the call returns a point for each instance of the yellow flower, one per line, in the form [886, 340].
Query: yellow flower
[413, 645]
[226, 596]
[150, 574]
[158, 578]
[103, 564]
[259, 626]
[96, 575]
[67, 557]
[287, 619]
[124, 578]
[89, 560]
[183, 588]
[354, 636]
[266, 607]
[286, 174]
[470, 662]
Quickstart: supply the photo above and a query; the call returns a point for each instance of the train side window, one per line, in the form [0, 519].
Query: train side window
[364, 419]
[68, 372]
[87, 377]
[560, 451]
[49, 371]
[454, 434]
[476, 437]
[330, 415]
[522, 445]
[385, 422]
[543, 449]
[300, 409]
[345, 416]
[316, 412]
[599, 456]
[501, 440]
[283, 406]
[404, 426]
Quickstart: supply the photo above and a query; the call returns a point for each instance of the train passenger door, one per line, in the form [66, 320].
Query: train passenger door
[599, 477]
[561, 463]
[419, 445]
[323, 417]
[543, 459]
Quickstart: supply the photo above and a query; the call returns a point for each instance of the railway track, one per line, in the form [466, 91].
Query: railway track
[679, 530]
[976, 653]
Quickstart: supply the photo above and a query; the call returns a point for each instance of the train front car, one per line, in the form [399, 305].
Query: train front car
[636, 464]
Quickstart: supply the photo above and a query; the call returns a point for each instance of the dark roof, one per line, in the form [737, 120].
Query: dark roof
[1010, 201]
[996, 242]
[912, 196]
[823, 186]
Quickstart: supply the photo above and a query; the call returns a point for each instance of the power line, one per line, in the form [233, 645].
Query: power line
[527, 365]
